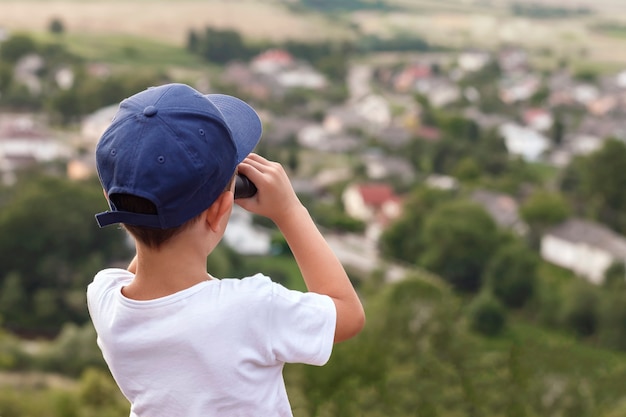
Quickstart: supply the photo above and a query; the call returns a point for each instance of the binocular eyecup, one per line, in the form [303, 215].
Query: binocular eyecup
[244, 188]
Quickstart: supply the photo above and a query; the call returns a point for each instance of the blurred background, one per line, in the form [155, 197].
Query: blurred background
[465, 159]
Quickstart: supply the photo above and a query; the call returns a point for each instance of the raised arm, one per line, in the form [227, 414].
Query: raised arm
[320, 268]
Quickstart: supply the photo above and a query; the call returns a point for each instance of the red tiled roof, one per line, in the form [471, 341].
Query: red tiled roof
[376, 194]
[275, 55]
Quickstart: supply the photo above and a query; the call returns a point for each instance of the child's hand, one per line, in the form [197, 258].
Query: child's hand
[275, 197]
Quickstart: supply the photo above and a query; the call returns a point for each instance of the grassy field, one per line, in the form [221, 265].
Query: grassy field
[165, 20]
[126, 49]
[485, 23]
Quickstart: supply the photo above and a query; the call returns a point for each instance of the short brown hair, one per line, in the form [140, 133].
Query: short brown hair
[151, 237]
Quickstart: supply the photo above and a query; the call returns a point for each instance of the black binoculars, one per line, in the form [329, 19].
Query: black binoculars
[244, 188]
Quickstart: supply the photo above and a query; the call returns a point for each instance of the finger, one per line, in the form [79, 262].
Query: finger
[261, 165]
[255, 157]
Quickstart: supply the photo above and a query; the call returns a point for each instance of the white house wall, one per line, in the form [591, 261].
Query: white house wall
[354, 204]
[582, 259]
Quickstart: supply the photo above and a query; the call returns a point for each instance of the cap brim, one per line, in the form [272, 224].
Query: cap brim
[243, 121]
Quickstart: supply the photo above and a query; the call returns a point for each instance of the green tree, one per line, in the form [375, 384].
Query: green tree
[99, 394]
[56, 26]
[467, 170]
[558, 130]
[12, 297]
[457, 127]
[222, 46]
[447, 153]
[459, 238]
[6, 75]
[89, 94]
[73, 351]
[48, 237]
[193, 41]
[512, 274]
[581, 310]
[615, 277]
[16, 47]
[612, 322]
[487, 315]
[542, 210]
[335, 66]
[596, 184]
[403, 240]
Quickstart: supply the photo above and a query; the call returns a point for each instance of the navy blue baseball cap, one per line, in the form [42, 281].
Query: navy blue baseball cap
[176, 147]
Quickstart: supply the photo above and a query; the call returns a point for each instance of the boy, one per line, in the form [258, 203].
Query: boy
[178, 341]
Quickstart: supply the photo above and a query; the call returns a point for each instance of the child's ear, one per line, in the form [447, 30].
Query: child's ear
[219, 209]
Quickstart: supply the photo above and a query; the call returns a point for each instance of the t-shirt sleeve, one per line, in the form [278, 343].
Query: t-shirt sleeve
[104, 281]
[302, 326]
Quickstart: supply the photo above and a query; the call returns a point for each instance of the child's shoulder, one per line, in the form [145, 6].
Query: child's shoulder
[255, 282]
[111, 277]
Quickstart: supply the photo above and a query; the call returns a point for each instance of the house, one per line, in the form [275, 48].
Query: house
[485, 121]
[246, 81]
[561, 87]
[602, 105]
[280, 130]
[367, 201]
[620, 79]
[517, 88]
[524, 142]
[342, 118]
[575, 144]
[316, 137]
[439, 91]
[329, 176]
[502, 208]
[585, 93]
[428, 133]
[513, 60]
[406, 80]
[64, 78]
[376, 204]
[272, 61]
[82, 167]
[395, 136]
[472, 61]
[538, 119]
[94, 124]
[302, 76]
[371, 114]
[441, 182]
[379, 166]
[27, 70]
[603, 127]
[23, 142]
[280, 66]
[586, 248]
[586, 144]
[358, 81]
[374, 109]
[244, 237]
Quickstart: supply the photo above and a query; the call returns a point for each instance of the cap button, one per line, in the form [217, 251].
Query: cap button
[150, 111]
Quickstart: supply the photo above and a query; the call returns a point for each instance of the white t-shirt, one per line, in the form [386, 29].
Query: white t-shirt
[215, 349]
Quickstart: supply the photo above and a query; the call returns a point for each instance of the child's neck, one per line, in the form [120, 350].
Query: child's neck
[166, 271]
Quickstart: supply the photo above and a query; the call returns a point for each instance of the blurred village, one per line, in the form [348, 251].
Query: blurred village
[380, 103]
